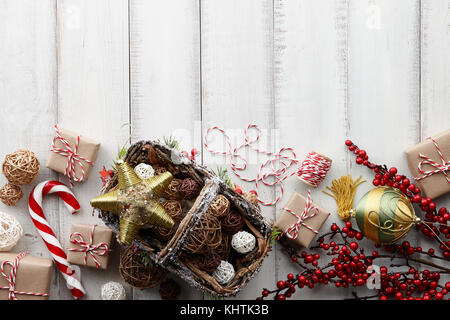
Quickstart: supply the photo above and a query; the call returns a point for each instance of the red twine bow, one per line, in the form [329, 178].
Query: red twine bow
[194, 153]
[440, 167]
[100, 249]
[72, 156]
[11, 278]
[309, 212]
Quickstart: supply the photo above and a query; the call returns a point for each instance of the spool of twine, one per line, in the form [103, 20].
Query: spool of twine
[206, 235]
[314, 169]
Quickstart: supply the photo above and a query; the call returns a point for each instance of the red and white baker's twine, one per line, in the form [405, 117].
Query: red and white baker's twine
[54, 246]
[73, 157]
[440, 167]
[313, 169]
[11, 278]
[309, 212]
[100, 249]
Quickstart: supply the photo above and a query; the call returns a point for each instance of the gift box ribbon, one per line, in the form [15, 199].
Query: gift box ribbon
[309, 212]
[442, 167]
[11, 278]
[100, 249]
[73, 157]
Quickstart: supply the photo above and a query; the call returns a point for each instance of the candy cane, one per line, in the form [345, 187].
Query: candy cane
[47, 234]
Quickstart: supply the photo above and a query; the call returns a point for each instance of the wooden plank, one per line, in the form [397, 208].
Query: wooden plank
[28, 91]
[165, 81]
[237, 45]
[384, 87]
[93, 100]
[311, 100]
[435, 67]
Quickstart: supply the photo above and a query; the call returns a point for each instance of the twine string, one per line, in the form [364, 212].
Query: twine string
[442, 167]
[314, 168]
[308, 212]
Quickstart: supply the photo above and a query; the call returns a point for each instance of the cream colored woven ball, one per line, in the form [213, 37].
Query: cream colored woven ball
[243, 242]
[144, 171]
[224, 272]
[10, 231]
[113, 291]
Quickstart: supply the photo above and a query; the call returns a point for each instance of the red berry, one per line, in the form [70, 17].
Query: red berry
[348, 143]
[334, 227]
[281, 297]
[353, 246]
[362, 153]
[359, 160]
[406, 182]
[432, 206]
[393, 171]
[376, 182]
[290, 276]
[417, 198]
[398, 178]
[265, 293]
[280, 284]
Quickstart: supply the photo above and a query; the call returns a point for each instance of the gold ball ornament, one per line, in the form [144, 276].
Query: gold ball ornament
[136, 201]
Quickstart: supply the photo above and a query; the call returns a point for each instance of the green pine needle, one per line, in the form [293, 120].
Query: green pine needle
[171, 142]
[145, 258]
[222, 173]
[275, 233]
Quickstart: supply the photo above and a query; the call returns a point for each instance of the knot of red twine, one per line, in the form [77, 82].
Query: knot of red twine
[11, 278]
[73, 157]
[442, 167]
[99, 249]
[308, 212]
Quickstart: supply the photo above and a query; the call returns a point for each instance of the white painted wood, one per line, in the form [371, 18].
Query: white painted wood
[93, 100]
[237, 89]
[165, 81]
[28, 103]
[311, 101]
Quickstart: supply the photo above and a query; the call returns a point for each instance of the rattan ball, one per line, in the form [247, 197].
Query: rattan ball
[243, 242]
[224, 272]
[159, 169]
[113, 291]
[169, 290]
[137, 274]
[173, 209]
[171, 192]
[252, 197]
[163, 233]
[232, 223]
[219, 207]
[209, 262]
[144, 171]
[10, 194]
[223, 250]
[205, 236]
[189, 188]
[21, 167]
[10, 231]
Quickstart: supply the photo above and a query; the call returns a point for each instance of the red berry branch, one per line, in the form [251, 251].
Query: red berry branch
[347, 265]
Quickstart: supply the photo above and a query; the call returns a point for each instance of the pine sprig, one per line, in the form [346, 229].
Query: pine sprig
[145, 258]
[275, 234]
[171, 142]
[222, 173]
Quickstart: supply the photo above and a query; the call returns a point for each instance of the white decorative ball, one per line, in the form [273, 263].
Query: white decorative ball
[10, 231]
[224, 272]
[113, 291]
[144, 171]
[243, 242]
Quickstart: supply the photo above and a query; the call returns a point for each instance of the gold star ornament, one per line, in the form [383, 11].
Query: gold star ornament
[136, 202]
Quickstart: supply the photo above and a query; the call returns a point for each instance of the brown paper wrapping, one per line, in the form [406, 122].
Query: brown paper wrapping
[87, 148]
[101, 234]
[33, 275]
[435, 185]
[297, 203]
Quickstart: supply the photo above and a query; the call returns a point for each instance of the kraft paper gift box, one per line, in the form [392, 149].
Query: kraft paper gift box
[33, 275]
[101, 235]
[436, 184]
[297, 204]
[87, 148]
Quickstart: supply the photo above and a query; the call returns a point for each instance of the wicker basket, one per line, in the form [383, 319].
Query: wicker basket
[170, 254]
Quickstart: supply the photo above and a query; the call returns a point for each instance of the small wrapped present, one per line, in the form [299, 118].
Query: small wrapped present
[301, 219]
[429, 163]
[72, 154]
[32, 277]
[89, 245]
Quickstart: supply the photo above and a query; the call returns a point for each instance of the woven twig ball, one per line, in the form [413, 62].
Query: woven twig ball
[144, 171]
[232, 223]
[10, 194]
[224, 272]
[243, 242]
[189, 188]
[223, 250]
[164, 234]
[113, 291]
[209, 262]
[159, 169]
[10, 231]
[137, 274]
[21, 167]
[219, 207]
[169, 290]
[171, 192]
[205, 236]
[173, 209]
[252, 197]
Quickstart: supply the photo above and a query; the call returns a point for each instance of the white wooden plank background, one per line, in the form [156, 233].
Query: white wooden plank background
[309, 73]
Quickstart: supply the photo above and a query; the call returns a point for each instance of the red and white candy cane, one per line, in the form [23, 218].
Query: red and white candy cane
[54, 246]
[285, 159]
